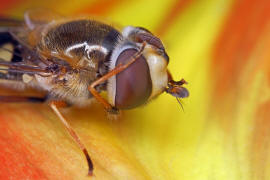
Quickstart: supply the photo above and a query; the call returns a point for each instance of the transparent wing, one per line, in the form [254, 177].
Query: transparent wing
[38, 17]
[16, 60]
[31, 26]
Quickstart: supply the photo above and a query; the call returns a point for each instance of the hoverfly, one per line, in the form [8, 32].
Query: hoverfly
[74, 59]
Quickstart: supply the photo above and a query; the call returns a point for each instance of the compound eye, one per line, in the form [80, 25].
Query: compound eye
[150, 39]
[133, 85]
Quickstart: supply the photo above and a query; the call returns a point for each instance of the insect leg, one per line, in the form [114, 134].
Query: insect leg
[18, 99]
[54, 105]
[119, 68]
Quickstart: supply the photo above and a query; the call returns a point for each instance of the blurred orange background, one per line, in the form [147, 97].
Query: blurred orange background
[219, 47]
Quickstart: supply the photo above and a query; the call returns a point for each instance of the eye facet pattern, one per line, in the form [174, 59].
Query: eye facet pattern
[133, 85]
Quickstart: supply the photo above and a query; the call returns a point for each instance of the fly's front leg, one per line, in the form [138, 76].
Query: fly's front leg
[119, 68]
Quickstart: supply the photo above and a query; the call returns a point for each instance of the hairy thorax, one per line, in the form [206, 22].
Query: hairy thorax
[71, 86]
[80, 51]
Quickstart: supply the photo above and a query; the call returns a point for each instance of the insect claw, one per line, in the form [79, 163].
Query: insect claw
[90, 173]
[113, 110]
[89, 162]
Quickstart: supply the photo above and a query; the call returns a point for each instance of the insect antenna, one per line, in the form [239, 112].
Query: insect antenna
[179, 102]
